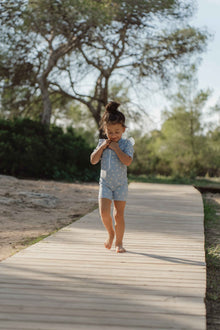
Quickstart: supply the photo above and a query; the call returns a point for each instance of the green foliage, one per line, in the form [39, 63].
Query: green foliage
[145, 160]
[180, 149]
[176, 152]
[30, 149]
[174, 180]
[213, 151]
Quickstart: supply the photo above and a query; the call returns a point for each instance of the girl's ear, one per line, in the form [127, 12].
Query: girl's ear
[124, 129]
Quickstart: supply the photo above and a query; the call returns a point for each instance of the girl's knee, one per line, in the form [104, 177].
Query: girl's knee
[118, 216]
[104, 213]
[104, 207]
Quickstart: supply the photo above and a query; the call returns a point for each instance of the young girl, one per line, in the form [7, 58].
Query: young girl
[115, 154]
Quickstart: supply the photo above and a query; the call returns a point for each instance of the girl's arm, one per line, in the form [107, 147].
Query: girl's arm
[124, 158]
[97, 154]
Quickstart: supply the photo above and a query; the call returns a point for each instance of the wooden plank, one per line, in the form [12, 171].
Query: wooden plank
[115, 319]
[78, 308]
[19, 325]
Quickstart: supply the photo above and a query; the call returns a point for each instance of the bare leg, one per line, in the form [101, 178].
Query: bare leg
[119, 207]
[105, 213]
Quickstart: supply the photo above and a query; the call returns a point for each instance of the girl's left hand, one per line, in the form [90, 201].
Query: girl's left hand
[113, 145]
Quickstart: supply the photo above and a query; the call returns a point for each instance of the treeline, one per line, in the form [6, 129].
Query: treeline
[161, 153]
[186, 145]
[29, 149]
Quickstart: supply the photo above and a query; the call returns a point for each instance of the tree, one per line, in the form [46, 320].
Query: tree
[97, 41]
[183, 143]
[37, 34]
[133, 48]
[145, 159]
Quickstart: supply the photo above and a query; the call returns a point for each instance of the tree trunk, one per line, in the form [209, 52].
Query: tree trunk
[47, 107]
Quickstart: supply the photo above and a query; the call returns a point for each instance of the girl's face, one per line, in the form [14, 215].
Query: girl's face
[114, 132]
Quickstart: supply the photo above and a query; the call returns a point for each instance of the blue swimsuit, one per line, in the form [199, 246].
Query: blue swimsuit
[113, 179]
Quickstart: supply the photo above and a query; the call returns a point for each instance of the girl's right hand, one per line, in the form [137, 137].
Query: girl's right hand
[105, 144]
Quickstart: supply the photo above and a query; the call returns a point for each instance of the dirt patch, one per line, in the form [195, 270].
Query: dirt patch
[29, 209]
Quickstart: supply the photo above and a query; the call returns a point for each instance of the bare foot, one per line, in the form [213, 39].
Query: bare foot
[120, 249]
[108, 242]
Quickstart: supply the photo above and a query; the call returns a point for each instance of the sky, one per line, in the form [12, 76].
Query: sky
[207, 16]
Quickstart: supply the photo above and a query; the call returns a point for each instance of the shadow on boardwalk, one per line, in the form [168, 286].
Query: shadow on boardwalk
[170, 259]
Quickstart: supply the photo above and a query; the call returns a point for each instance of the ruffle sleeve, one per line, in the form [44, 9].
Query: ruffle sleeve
[129, 150]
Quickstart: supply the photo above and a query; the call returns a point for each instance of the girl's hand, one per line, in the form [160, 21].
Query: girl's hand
[124, 158]
[105, 144]
[114, 146]
[97, 154]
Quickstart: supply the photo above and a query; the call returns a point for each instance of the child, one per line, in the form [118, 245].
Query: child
[115, 154]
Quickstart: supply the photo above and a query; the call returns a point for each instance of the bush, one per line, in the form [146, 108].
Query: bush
[32, 150]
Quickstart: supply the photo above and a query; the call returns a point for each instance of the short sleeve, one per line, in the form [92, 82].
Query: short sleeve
[129, 150]
[99, 143]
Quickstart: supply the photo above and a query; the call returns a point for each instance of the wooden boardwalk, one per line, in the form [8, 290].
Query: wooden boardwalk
[70, 281]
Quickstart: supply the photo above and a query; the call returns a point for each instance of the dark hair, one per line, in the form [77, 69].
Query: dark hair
[112, 115]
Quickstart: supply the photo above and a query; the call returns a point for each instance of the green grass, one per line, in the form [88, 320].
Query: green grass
[212, 234]
[210, 217]
[214, 182]
[212, 250]
[33, 240]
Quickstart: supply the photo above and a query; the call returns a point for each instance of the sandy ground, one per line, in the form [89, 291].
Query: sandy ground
[29, 209]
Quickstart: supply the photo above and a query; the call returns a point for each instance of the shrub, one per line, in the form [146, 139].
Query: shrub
[30, 149]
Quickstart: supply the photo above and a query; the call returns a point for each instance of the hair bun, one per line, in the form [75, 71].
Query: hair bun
[112, 107]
